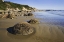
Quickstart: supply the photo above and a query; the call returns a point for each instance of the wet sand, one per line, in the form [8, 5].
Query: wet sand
[44, 32]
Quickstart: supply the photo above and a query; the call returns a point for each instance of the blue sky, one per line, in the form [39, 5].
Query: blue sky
[42, 4]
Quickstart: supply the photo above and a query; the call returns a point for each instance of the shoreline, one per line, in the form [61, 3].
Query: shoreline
[44, 32]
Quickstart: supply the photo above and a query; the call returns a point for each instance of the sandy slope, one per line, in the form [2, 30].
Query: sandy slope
[44, 32]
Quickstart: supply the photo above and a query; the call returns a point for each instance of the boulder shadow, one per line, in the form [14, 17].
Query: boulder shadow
[11, 34]
[10, 30]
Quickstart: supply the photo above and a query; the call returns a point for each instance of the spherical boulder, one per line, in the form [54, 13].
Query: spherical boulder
[30, 14]
[25, 14]
[15, 15]
[23, 28]
[33, 21]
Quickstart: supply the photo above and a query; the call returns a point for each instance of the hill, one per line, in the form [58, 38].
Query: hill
[7, 4]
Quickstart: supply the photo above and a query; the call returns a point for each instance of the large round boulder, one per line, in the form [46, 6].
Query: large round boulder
[33, 21]
[29, 14]
[23, 28]
[25, 14]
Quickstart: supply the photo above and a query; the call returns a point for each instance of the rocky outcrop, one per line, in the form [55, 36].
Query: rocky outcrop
[23, 28]
[11, 16]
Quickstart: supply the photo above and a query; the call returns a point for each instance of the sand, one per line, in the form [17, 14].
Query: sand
[44, 32]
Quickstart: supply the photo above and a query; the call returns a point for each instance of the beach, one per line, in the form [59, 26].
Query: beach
[44, 32]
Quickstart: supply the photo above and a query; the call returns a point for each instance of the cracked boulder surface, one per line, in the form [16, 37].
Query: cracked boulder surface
[23, 28]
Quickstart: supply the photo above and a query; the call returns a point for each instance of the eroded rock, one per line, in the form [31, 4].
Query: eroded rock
[23, 28]
[29, 14]
[33, 21]
[11, 16]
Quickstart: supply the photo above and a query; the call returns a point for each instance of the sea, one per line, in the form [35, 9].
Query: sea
[51, 17]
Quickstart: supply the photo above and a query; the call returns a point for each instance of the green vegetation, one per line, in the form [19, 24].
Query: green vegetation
[0, 0]
[4, 5]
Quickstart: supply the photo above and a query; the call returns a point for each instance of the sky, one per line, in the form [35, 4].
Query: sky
[42, 4]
